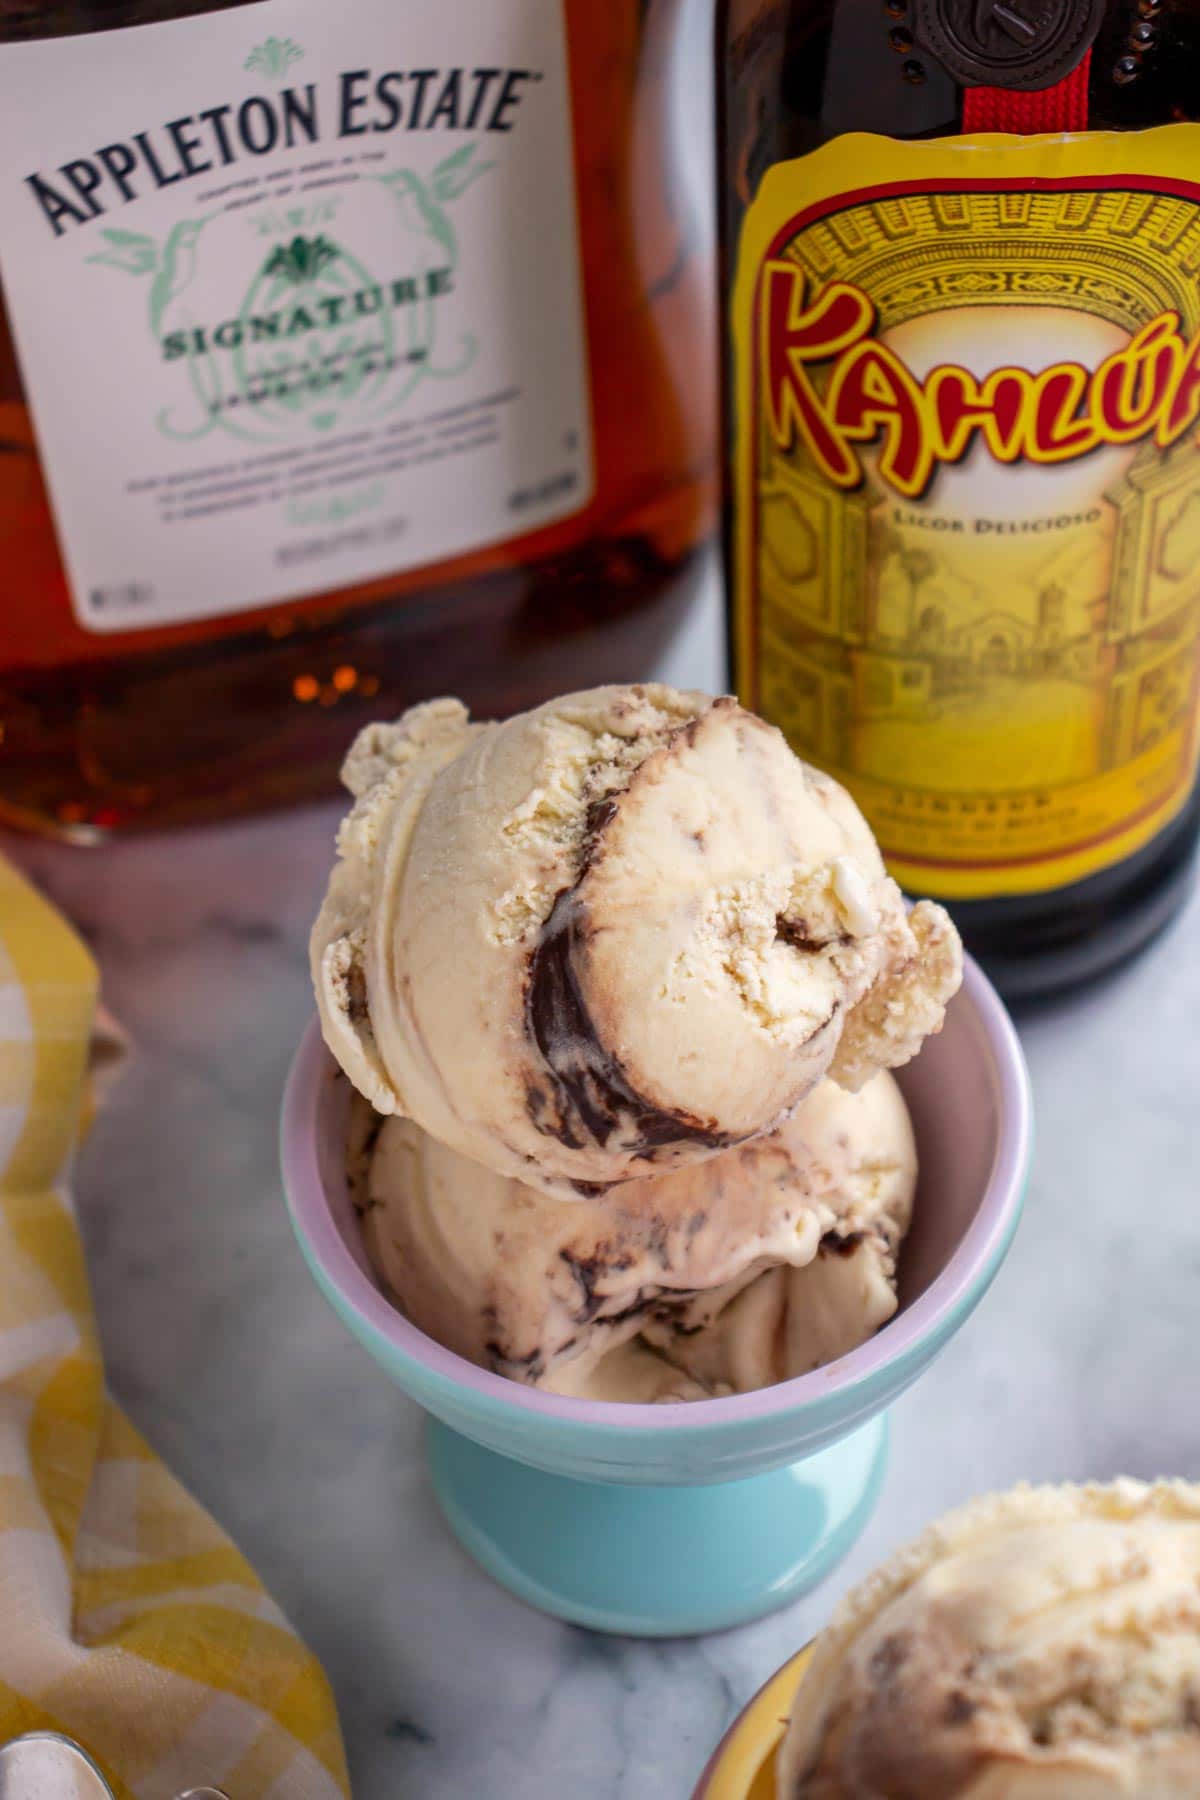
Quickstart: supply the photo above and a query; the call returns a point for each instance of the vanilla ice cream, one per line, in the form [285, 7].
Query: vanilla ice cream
[755, 1265]
[618, 934]
[1037, 1645]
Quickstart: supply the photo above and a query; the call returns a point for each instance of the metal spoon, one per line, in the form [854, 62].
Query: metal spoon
[43, 1765]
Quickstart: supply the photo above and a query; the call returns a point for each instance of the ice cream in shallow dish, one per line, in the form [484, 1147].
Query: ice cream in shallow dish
[625, 932]
[1037, 1645]
[619, 982]
[717, 1277]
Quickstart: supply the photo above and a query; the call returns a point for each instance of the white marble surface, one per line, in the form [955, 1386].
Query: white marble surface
[227, 1358]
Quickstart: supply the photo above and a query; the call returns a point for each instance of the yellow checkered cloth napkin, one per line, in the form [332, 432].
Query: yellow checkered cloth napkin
[127, 1619]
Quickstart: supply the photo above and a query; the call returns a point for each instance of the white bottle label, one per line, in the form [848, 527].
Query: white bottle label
[295, 289]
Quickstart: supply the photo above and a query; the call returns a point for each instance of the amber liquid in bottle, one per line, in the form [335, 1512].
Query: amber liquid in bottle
[99, 732]
[793, 75]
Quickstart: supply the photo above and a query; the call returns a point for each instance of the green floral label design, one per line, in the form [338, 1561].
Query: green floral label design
[273, 58]
[317, 339]
[301, 260]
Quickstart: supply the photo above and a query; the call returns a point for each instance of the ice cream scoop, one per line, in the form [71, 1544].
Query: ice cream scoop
[1037, 1645]
[622, 932]
[552, 1292]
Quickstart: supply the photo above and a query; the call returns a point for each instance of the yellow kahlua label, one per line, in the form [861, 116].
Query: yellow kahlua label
[967, 491]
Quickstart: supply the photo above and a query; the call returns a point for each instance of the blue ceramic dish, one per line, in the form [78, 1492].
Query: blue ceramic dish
[673, 1519]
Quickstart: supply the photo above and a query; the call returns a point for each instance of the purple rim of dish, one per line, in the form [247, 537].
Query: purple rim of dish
[993, 1218]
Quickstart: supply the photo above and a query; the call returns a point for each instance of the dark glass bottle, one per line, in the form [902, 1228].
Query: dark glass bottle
[997, 649]
[574, 519]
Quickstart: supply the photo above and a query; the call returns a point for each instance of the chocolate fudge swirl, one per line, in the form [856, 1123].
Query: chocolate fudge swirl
[587, 1097]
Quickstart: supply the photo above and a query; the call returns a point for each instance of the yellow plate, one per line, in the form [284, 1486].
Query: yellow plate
[743, 1764]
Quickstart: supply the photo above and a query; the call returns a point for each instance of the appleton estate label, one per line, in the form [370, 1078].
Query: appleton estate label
[296, 293]
[968, 491]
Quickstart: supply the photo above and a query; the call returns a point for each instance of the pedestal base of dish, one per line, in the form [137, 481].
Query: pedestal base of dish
[658, 1561]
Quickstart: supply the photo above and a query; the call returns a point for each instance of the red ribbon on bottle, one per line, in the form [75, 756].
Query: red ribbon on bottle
[1063, 107]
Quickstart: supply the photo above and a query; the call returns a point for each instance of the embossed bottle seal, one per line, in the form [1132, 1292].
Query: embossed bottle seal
[1007, 43]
